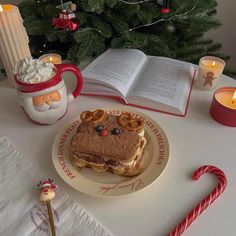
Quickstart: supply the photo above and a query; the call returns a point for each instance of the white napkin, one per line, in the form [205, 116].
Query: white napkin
[22, 214]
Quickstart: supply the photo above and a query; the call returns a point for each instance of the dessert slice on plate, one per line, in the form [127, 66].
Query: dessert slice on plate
[107, 142]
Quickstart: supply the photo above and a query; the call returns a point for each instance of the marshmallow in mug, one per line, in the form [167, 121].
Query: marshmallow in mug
[31, 70]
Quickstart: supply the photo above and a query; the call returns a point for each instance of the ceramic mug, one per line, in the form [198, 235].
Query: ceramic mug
[47, 102]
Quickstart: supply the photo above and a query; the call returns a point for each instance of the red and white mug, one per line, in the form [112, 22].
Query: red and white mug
[47, 102]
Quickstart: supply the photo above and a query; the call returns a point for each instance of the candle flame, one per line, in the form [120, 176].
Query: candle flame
[1, 9]
[234, 98]
[213, 63]
[50, 59]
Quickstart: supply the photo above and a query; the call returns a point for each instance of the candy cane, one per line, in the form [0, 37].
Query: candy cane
[181, 227]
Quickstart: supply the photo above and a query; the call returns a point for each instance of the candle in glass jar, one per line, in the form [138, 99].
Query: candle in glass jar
[13, 39]
[223, 107]
[209, 72]
[51, 57]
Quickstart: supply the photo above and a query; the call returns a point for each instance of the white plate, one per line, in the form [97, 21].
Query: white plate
[155, 159]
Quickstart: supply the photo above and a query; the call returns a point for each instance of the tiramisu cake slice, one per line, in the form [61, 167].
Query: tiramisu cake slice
[109, 143]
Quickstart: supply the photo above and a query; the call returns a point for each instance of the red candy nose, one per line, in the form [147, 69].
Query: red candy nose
[45, 190]
[104, 132]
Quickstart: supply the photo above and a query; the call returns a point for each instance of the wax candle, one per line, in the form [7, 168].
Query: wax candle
[209, 71]
[223, 107]
[51, 57]
[227, 99]
[13, 39]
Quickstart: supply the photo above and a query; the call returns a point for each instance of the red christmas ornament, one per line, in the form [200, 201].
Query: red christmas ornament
[67, 19]
[165, 9]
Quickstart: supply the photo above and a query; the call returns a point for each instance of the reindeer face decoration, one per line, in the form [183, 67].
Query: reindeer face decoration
[47, 188]
[106, 125]
[125, 120]
[106, 142]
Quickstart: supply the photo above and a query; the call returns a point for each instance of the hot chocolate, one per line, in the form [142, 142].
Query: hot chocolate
[31, 70]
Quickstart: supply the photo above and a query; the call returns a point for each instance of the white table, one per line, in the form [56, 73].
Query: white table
[195, 140]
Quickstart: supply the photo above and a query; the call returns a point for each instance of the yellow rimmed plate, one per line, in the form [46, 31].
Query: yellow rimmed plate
[155, 158]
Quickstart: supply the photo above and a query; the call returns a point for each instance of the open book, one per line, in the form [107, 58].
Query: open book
[156, 83]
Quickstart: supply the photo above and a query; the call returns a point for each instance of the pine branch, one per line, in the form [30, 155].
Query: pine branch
[38, 27]
[204, 41]
[72, 53]
[118, 42]
[190, 52]
[26, 7]
[100, 24]
[51, 11]
[203, 24]
[214, 47]
[83, 18]
[118, 23]
[29, 19]
[148, 13]
[114, 23]
[110, 3]
[61, 35]
[96, 6]
[89, 43]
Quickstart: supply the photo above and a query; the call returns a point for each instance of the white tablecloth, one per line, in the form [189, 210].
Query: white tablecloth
[21, 213]
[195, 140]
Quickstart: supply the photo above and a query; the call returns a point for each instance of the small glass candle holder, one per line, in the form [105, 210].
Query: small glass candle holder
[51, 57]
[209, 72]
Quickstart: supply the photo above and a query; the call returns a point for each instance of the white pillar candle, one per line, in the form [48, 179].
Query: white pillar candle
[13, 39]
[209, 72]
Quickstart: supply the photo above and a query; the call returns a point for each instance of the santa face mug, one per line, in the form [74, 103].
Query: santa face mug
[45, 101]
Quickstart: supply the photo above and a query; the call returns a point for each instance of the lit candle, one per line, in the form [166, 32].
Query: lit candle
[227, 98]
[13, 39]
[234, 98]
[223, 107]
[209, 71]
[51, 57]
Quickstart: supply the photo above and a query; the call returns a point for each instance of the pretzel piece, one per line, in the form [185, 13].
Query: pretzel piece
[93, 116]
[131, 124]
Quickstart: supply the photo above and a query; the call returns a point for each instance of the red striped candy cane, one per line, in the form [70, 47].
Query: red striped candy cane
[181, 227]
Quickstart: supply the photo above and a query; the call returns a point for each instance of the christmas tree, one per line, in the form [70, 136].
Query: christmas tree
[157, 27]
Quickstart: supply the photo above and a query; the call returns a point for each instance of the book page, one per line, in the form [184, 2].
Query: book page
[166, 81]
[116, 67]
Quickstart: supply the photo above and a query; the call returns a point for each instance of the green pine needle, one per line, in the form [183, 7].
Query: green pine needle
[38, 27]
